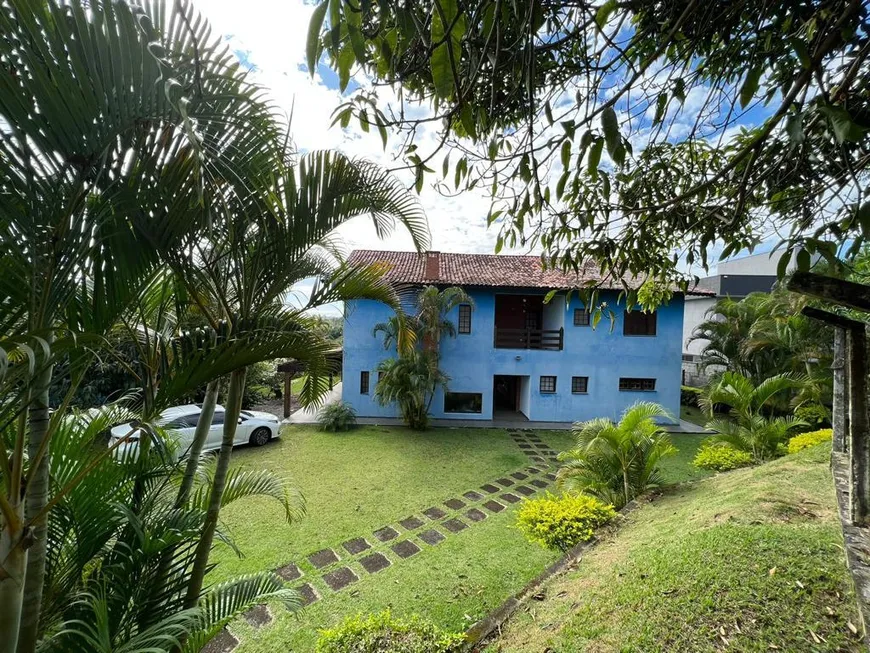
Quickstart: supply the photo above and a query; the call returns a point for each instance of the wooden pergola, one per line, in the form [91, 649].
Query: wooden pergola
[293, 368]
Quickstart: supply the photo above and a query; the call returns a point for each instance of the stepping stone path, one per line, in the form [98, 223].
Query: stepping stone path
[375, 562]
[386, 534]
[411, 523]
[369, 552]
[434, 513]
[356, 545]
[340, 578]
[431, 537]
[258, 616]
[405, 549]
[323, 558]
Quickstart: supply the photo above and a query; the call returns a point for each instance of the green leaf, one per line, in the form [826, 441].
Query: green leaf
[611, 131]
[364, 120]
[467, 118]
[445, 167]
[679, 91]
[595, 157]
[803, 260]
[357, 42]
[566, 153]
[845, 129]
[312, 45]
[418, 182]
[499, 243]
[794, 128]
[345, 62]
[800, 49]
[548, 112]
[445, 56]
[604, 13]
[750, 85]
[382, 128]
[661, 107]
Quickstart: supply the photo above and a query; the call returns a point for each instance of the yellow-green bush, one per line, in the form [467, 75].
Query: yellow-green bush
[811, 439]
[382, 633]
[721, 458]
[562, 522]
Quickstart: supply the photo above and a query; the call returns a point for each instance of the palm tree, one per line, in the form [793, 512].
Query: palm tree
[617, 462]
[116, 119]
[751, 427]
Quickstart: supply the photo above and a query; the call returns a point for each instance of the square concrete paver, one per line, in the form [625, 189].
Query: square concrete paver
[473, 496]
[537, 459]
[405, 548]
[539, 483]
[552, 477]
[534, 438]
[434, 513]
[541, 445]
[510, 498]
[411, 523]
[289, 572]
[476, 515]
[374, 562]
[308, 593]
[493, 506]
[490, 488]
[454, 504]
[454, 525]
[525, 446]
[386, 534]
[323, 558]
[504, 482]
[258, 616]
[431, 537]
[524, 490]
[356, 545]
[340, 578]
[533, 470]
[223, 642]
[520, 476]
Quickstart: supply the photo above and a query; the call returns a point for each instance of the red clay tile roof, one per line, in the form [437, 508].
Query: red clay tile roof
[485, 270]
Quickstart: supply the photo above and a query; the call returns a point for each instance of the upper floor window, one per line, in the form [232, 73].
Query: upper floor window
[579, 385]
[632, 384]
[581, 317]
[464, 318]
[638, 323]
[364, 382]
[548, 384]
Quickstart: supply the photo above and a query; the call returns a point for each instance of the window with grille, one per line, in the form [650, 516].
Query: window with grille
[579, 385]
[364, 383]
[581, 317]
[464, 318]
[548, 384]
[638, 323]
[632, 384]
[463, 402]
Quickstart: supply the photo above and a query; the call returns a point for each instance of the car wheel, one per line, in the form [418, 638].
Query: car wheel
[260, 436]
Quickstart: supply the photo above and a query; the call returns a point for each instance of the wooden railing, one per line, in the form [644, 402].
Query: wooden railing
[550, 339]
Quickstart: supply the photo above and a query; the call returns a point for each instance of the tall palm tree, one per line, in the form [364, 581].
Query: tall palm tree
[117, 118]
[617, 462]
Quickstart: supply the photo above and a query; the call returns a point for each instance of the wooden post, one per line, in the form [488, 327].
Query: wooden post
[288, 385]
[859, 440]
[838, 367]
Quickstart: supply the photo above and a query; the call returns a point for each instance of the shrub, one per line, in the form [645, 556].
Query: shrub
[815, 415]
[811, 439]
[382, 633]
[337, 416]
[689, 396]
[562, 522]
[721, 458]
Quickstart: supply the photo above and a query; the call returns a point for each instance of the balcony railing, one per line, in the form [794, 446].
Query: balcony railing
[550, 339]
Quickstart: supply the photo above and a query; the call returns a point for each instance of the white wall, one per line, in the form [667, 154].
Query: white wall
[525, 395]
[763, 264]
[554, 313]
[694, 312]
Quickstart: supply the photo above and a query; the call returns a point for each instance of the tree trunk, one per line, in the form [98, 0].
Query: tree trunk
[838, 366]
[13, 561]
[199, 437]
[203, 549]
[36, 498]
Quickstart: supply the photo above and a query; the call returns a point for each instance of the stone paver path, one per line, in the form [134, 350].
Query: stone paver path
[340, 565]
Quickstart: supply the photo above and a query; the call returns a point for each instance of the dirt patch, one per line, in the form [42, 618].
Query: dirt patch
[276, 407]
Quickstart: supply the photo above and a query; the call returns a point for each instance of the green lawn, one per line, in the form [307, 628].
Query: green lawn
[750, 560]
[693, 415]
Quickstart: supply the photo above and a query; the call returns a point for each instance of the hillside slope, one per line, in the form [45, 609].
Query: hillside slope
[750, 560]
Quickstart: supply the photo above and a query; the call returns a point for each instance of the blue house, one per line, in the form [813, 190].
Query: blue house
[515, 356]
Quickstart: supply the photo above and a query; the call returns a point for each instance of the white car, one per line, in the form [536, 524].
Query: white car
[255, 427]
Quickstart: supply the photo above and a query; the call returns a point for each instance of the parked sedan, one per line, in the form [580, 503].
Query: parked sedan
[255, 427]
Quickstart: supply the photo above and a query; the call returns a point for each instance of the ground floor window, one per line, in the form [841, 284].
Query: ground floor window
[548, 384]
[463, 402]
[633, 384]
[364, 383]
[579, 385]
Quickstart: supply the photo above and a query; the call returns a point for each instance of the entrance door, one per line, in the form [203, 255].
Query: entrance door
[505, 392]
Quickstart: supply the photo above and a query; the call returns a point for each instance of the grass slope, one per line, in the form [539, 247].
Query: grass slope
[746, 561]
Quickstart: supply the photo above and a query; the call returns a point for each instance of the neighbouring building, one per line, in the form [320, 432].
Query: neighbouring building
[515, 355]
[735, 278]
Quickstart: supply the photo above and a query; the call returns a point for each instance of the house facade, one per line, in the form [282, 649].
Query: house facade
[514, 355]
